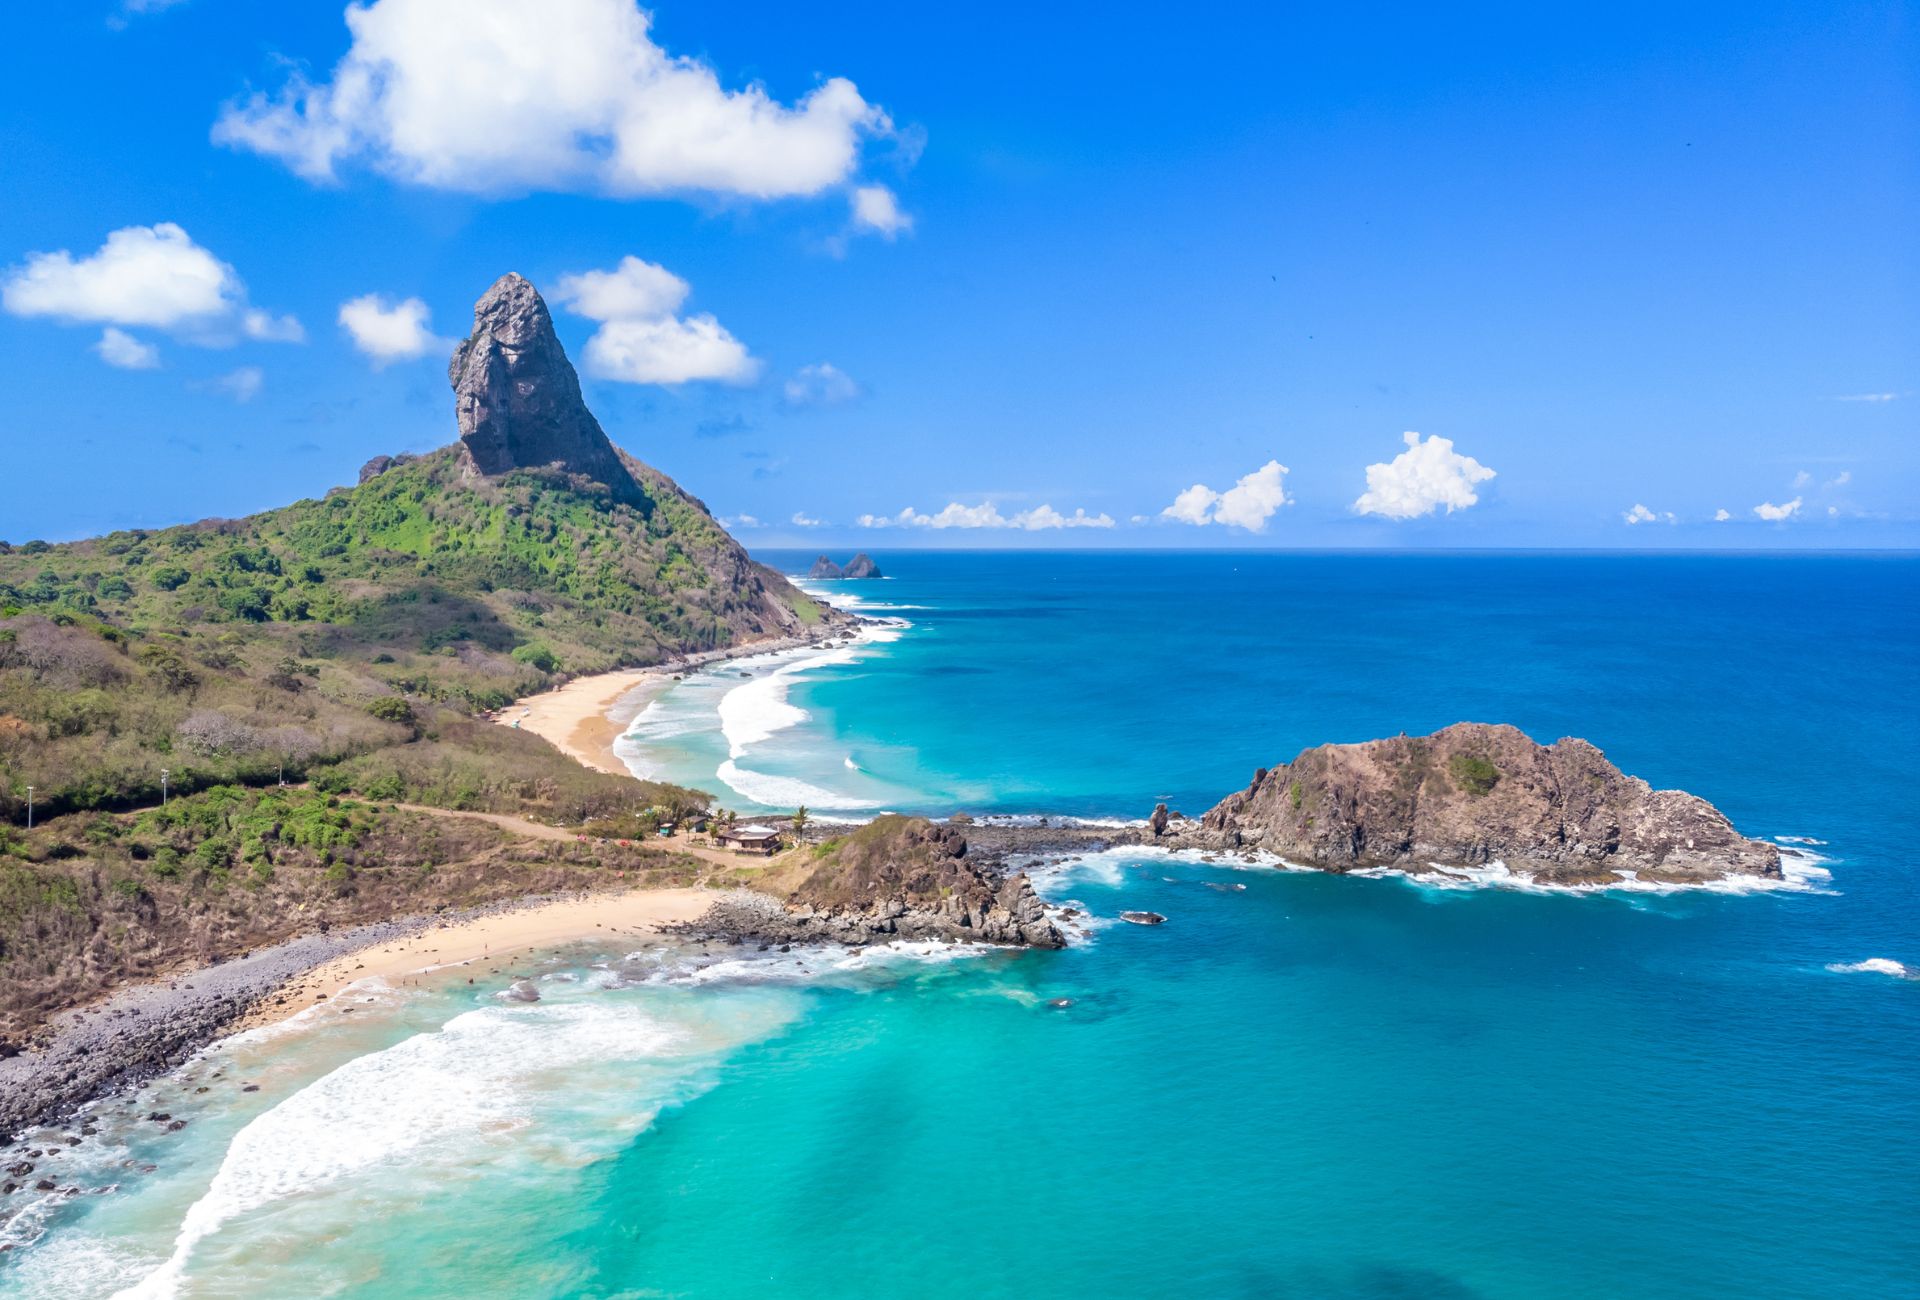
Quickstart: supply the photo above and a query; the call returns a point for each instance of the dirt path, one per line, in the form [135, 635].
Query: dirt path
[541, 831]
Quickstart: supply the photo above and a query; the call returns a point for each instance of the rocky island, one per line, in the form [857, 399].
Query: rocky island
[1468, 796]
[860, 566]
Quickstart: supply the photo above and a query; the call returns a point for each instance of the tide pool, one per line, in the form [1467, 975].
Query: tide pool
[1301, 1085]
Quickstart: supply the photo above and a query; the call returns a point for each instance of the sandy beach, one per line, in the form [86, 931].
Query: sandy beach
[584, 717]
[637, 914]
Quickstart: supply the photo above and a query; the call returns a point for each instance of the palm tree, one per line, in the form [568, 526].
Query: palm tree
[800, 820]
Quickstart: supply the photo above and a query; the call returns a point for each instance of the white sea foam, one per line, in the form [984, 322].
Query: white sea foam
[431, 1099]
[1801, 872]
[813, 964]
[1875, 966]
[785, 791]
[758, 709]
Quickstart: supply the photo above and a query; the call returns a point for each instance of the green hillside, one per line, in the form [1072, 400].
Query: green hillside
[364, 621]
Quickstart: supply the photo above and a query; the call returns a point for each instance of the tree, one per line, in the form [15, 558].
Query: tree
[391, 708]
[800, 820]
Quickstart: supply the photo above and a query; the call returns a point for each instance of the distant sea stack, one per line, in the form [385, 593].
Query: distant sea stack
[1470, 795]
[860, 566]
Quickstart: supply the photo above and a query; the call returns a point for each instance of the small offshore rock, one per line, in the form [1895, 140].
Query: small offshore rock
[1143, 918]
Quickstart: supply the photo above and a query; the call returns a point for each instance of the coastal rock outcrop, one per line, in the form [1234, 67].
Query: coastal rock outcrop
[1474, 794]
[894, 878]
[860, 566]
[517, 398]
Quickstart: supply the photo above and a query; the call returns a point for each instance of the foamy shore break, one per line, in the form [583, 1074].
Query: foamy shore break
[1471, 806]
[146, 1028]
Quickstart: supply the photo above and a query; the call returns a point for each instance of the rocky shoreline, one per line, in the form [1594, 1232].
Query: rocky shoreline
[1468, 795]
[144, 1030]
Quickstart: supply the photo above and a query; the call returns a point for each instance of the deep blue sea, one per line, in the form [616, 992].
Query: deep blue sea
[1300, 1086]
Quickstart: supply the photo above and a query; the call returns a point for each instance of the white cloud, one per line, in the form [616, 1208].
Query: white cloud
[742, 521]
[1785, 510]
[1801, 479]
[143, 275]
[132, 8]
[875, 208]
[389, 332]
[152, 276]
[1247, 504]
[1869, 397]
[1421, 479]
[823, 384]
[987, 515]
[123, 351]
[1639, 515]
[1721, 515]
[1841, 479]
[268, 328]
[242, 385]
[640, 340]
[668, 351]
[568, 95]
[632, 290]
[802, 520]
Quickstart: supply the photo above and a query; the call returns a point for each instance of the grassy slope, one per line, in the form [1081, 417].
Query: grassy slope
[349, 643]
[227, 649]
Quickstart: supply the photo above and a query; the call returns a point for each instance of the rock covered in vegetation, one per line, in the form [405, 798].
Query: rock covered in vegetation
[895, 878]
[1474, 794]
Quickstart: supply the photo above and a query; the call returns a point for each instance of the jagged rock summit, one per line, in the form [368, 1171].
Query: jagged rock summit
[517, 398]
[1474, 794]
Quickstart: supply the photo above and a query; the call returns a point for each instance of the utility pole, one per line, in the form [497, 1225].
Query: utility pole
[163, 787]
[29, 807]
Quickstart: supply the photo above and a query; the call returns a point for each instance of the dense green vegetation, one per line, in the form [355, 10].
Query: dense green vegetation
[349, 639]
[1473, 774]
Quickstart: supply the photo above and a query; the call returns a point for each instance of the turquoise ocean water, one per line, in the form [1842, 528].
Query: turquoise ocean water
[1300, 1086]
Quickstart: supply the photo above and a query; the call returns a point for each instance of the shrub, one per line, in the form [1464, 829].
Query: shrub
[392, 708]
[1473, 774]
[535, 655]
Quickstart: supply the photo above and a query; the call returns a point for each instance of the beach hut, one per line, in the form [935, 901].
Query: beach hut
[749, 839]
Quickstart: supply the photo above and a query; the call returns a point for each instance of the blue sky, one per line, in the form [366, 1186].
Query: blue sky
[1175, 277]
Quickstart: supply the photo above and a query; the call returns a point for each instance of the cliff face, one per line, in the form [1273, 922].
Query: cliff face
[517, 398]
[1473, 794]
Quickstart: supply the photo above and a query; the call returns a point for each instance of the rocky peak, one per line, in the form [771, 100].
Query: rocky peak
[825, 568]
[518, 399]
